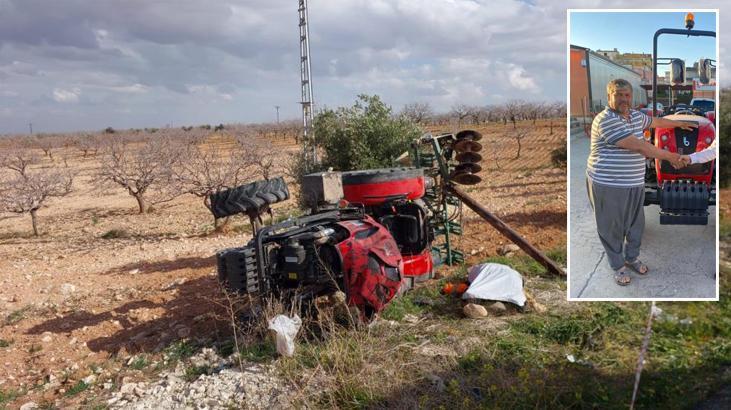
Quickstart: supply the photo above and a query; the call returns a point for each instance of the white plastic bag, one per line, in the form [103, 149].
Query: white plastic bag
[286, 329]
[495, 281]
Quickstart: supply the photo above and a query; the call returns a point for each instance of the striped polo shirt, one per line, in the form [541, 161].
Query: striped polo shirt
[609, 164]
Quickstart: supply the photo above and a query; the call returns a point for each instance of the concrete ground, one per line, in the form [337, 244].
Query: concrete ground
[682, 258]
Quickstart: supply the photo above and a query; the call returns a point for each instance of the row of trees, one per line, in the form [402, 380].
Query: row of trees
[157, 165]
[88, 144]
[511, 111]
[152, 171]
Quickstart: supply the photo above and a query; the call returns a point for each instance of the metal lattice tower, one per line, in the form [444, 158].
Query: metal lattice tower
[308, 101]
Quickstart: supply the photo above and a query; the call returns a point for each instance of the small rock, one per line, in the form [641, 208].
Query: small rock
[46, 339]
[531, 301]
[474, 311]
[507, 248]
[423, 301]
[67, 289]
[174, 284]
[409, 318]
[134, 271]
[437, 382]
[183, 332]
[498, 308]
[90, 379]
[29, 406]
[128, 388]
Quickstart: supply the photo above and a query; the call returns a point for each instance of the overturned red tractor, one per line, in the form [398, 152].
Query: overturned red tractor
[371, 251]
[370, 234]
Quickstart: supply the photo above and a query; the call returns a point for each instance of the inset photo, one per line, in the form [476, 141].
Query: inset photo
[642, 155]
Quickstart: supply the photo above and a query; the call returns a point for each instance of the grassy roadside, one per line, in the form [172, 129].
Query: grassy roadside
[433, 357]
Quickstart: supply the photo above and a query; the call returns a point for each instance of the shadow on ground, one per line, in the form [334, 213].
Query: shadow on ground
[150, 267]
[191, 313]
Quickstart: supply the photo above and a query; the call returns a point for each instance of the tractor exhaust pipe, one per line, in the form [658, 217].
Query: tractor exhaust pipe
[504, 229]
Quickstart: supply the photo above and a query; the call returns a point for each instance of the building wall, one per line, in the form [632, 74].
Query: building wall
[602, 72]
[579, 83]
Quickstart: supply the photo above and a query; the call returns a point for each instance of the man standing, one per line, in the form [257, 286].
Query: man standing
[616, 176]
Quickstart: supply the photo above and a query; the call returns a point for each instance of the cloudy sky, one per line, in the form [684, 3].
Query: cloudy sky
[82, 64]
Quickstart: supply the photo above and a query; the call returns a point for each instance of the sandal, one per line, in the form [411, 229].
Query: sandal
[621, 277]
[638, 267]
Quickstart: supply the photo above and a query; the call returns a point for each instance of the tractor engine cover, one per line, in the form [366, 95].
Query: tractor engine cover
[685, 143]
[372, 265]
[376, 186]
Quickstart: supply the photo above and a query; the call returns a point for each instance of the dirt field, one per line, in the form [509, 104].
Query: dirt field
[73, 304]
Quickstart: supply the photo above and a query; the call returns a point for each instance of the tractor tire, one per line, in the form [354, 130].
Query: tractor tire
[253, 198]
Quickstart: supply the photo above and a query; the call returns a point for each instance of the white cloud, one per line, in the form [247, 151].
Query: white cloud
[66, 96]
[232, 60]
[130, 89]
[520, 80]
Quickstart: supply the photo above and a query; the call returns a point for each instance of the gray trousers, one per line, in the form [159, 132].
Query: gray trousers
[620, 217]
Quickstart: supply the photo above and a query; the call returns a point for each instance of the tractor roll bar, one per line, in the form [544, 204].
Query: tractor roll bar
[689, 32]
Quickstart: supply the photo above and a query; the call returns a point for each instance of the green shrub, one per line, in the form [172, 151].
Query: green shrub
[558, 156]
[363, 136]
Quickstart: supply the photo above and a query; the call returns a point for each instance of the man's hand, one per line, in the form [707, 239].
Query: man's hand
[685, 125]
[676, 160]
[662, 122]
[682, 162]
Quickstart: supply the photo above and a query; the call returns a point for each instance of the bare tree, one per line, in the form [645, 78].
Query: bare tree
[513, 110]
[89, 144]
[260, 154]
[461, 111]
[18, 160]
[23, 190]
[48, 144]
[518, 135]
[203, 172]
[419, 113]
[144, 170]
[534, 110]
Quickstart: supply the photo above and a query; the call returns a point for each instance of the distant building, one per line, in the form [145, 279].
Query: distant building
[589, 74]
[610, 54]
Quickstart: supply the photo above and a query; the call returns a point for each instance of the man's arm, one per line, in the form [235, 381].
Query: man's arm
[640, 146]
[705, 155]
[658, 122]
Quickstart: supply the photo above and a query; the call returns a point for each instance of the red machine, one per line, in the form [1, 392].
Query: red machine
[393, 197]
[684, 143]
[372, 249]
[685, 194]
